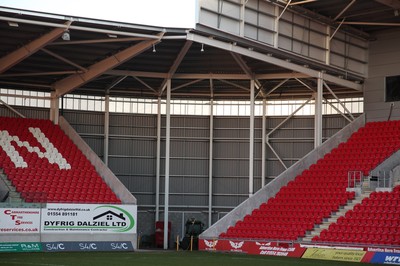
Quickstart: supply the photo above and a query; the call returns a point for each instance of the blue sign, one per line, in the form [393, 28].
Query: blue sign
[386, 258]
[87, 246]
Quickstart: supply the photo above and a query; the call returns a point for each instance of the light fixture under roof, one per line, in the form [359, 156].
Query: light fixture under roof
[13, 24]
[202, 47]
[65, 36]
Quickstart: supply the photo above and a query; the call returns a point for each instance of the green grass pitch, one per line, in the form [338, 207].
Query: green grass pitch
[154, 258]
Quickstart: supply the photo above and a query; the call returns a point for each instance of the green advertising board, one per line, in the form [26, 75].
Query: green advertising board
[21, 247]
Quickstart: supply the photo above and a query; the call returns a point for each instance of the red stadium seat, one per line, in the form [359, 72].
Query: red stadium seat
[44, 177]
[320, 190]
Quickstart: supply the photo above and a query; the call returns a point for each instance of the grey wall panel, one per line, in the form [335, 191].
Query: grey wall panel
[86, 122]
[225, 168]
[133, 125]
[96, 143]
[197, 122]
[139, 184]
[189, 148]
[188, 200]
[228, 200]
[231, 186]
[385, 46]
[40, 113]
[185, 184]
[188, 167]
[231, 149]
[137, 166]
[297, 33]
[132, 147]
[144, 200]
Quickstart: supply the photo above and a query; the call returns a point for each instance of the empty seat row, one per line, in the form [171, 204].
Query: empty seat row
[45, 166]
[310, 197]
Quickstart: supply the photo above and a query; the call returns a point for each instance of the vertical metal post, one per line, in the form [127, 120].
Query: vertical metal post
[328, 45]
[158, 159]
[251, 140]
[263, 140]
[210, 163]
[167, 158]
[54, 107]
[318, 113]
[106, 128]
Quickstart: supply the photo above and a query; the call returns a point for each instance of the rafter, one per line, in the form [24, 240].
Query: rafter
[18, 55]
[74, 81]
[176, 63]
[65, 60]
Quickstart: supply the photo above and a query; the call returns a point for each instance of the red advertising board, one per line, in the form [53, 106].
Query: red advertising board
[276, 249]
[252, 247]
[238, 246]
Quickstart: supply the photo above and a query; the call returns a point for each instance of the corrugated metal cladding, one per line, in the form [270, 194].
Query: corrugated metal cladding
[133, 166]
[189, 121]
[183, 184]
[227, 168]
[231, 149]
[96, 143]
[188, 200]
[132, 147]
[221, 201]
[188, 167]
[189, 148]
[90, 122]
[136, 120]
[39, 113]
[147, 183]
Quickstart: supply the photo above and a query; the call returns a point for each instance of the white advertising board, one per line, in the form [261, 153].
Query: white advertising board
[89, 218]
[19, 220]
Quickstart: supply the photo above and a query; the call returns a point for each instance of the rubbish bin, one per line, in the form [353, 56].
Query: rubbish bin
[159, 236]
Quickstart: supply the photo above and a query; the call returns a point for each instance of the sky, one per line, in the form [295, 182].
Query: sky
[165, 13]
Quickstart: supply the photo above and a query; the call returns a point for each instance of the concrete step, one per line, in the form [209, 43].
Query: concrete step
[334, 217]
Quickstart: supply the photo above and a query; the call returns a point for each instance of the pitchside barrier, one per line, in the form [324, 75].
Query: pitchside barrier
[68, 227]
[298, 250]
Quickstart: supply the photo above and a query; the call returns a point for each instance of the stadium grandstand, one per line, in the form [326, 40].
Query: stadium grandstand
[273, 123]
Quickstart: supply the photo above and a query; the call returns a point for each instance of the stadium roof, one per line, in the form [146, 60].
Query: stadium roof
[49, 52]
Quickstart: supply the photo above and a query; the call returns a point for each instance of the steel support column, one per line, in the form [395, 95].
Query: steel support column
[318, 113]
[167, 158]
[106, 128]
[158, 159]
[54, 107]
[251, 140]
[328, 46]
[210, 163]
[263, 147]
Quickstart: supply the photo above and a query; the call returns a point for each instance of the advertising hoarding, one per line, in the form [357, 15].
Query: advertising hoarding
[89, 218]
